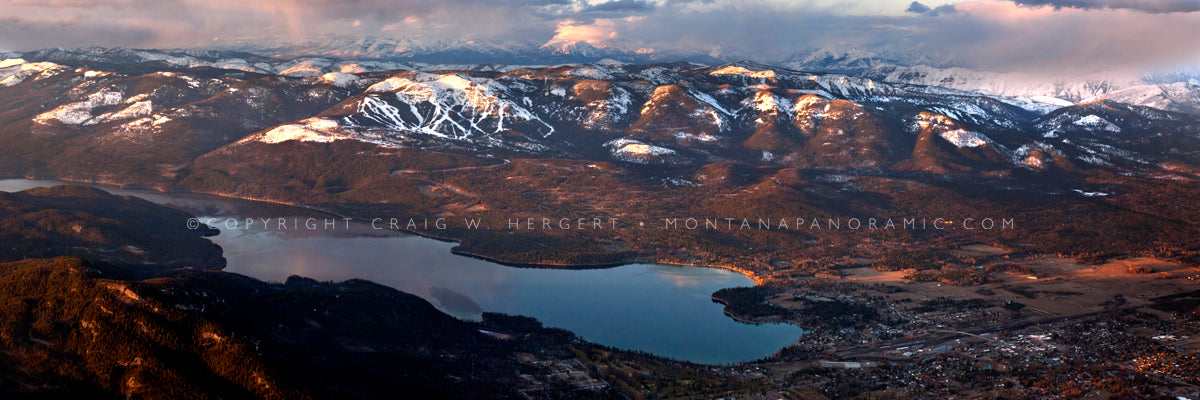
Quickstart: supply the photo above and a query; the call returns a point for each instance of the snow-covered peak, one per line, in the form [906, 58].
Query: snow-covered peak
[599, 72]
[1036, 155]
[339, 79]
[576, 47]
[306, 67]
[479, 92]
[1177, 96]
[739, 70]
[608, 62]
[848, 87]
[767, 102]
[1095, 122]
[320, 130]
[11, 62]
[13, 71]
[659, 76]
[847, 60]
[451, 105]
[949, 129]
[634, 151]
[965, 138]
[80, 112]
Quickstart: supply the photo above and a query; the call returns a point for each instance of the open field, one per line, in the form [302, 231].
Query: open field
[1057, 286]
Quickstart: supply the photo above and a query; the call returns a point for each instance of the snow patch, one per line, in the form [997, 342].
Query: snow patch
[1094, 160]
[339, 79]
[1093, 121]
[766, 101]
[13, 71]
[1090, 194]
[318, 130]
[710, 101]
[451, 105]
[308, 67]
[1039, 104]
[608, 62]
[610, 109]
[643, 149]
[965, 138]
[635, 151]
[593, 72]
[768, 156]
[392, 84]
[137, 110]
[80, 113]
[659, 76]
[807, 105]
[1035, 155]
[738, 70]
[925, 120]
[235, 63]
[689, 137]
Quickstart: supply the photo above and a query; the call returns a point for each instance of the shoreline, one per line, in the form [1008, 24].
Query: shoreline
[758, 281]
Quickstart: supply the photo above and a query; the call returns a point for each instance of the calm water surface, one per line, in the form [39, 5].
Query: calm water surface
[665, 310]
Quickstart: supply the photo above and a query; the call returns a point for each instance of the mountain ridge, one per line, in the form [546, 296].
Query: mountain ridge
[1175, 90]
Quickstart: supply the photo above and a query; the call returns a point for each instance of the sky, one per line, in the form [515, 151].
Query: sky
[1034, 36]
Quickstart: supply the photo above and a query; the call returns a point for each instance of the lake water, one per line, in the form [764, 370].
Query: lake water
[660, 309]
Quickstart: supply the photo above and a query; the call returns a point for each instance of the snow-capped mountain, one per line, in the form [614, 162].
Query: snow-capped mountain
[461, 51]
[677, 113]
[1171, 90]
[902, 68]
[373, 48]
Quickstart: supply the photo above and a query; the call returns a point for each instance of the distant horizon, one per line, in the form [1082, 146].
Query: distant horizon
[1019, 36]
[829, 60]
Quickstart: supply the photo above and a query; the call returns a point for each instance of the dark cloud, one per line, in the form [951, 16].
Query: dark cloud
[21, 33]
[1149, 6]
[87, 4]
[621, 6]
[943, 10]
[999, 35]
[918, 8]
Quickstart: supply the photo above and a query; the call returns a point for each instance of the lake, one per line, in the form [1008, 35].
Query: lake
[660, 309]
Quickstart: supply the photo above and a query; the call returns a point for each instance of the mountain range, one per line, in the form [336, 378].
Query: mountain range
[896, 67]
[605, 138]
[668, 113]
[1171, 89]
[759, 167]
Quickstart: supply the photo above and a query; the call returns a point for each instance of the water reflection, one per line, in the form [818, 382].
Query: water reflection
[666, 310]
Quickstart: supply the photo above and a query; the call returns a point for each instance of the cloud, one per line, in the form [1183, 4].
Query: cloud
[1001, 35]
[29, 33]
[597, 32]
[1149, 6]
[918, 8]
[1034, 36]
[944, 9]
[621, 6]
[995, 35]
[921, 9]
[188, 23]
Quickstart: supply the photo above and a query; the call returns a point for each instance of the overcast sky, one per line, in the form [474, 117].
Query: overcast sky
[999, 35]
